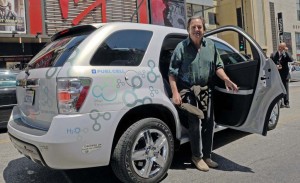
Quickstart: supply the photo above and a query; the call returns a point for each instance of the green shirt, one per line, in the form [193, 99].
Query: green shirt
[192, 67]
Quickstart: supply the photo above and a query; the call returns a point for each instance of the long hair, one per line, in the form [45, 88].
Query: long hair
[196, 17]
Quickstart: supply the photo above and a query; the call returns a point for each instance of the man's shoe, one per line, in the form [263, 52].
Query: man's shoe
[287, 106]
[282, 106]
[200, 164]
[211, 163]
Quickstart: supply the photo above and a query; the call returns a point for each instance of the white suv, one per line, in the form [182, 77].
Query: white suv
[98, 95]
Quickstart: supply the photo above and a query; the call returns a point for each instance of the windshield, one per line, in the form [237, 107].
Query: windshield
[57, 52]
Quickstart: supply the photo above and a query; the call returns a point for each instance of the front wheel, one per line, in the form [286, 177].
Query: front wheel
[144, 152]
[274, 116]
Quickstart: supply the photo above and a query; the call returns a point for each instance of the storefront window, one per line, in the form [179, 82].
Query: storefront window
[287, 38]
[298, 9]
[211, 18]
[194, 9]
[297, 35]
[189, 11]
[207, 12]
[197, 10]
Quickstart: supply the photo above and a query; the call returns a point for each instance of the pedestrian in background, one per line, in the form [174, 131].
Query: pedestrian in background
[281, 58]
[193, 64]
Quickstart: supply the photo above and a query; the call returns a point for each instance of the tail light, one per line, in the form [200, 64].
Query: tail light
[71, 93]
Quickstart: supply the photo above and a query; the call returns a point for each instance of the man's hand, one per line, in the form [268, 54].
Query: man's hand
[279, 67]
[176, 98]
[231, 85]
[228, 83]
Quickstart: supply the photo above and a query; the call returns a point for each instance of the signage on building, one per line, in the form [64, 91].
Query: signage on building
[12, 16]
[64, 5]
[169, 13]
[280, 27]
[67, 13]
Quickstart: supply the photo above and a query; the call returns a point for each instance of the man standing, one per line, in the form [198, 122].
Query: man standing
[281, 59]
[194, 63]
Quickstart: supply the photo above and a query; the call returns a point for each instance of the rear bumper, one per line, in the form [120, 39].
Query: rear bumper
[70, 142]
[28, 150]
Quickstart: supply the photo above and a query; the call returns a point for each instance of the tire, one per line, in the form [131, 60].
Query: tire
[274, 116]
[144, 152]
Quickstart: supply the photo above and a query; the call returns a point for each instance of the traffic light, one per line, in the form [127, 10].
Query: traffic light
[242, 45]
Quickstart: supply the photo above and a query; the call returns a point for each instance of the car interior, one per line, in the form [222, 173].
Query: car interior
[240, 69]
[168, 47]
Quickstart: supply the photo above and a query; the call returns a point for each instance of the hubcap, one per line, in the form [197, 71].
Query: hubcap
[149, 153]
[274, 115]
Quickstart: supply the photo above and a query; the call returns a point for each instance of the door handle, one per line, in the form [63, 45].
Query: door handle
[264, 78]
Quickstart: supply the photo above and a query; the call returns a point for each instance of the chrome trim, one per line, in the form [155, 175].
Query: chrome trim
[149, 156]
[239, 92]
[28, 83]
[5, 106]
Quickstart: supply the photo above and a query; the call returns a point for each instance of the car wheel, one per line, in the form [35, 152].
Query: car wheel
[274, 116]
[144, 152]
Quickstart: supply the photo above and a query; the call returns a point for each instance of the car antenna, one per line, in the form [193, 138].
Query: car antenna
[135, 11]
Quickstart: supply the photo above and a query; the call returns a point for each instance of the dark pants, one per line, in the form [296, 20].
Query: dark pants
[201, 131]
[286, 86]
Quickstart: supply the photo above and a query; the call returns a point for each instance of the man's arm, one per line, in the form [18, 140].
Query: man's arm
[228, 83]
[289, 56]
[175, 94]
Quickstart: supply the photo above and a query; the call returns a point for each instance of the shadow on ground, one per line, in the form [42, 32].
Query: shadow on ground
[24, 170]
[182, 158]
[3, 131]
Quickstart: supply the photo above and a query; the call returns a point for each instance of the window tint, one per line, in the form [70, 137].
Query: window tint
[228, 55]
[222, 48]
[122, 48]
[56, 53]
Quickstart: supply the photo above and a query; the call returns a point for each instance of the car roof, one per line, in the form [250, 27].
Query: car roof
[117, 25]
[145, 26]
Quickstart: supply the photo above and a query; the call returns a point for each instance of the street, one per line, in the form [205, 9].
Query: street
[242, 157]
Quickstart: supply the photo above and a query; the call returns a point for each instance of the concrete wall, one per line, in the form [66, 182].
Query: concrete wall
[290, 22]
[257, 20]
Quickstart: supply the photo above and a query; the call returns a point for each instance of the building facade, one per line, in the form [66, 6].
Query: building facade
[269, 22]
[26, 25]
[287, 13]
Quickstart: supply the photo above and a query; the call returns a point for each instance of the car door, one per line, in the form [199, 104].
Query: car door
[260, 87]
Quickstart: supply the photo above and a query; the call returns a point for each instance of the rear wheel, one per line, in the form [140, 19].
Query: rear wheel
[274, 116]
[144, 152]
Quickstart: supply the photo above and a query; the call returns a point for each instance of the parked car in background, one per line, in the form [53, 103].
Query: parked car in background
[7, 94]
[295, 73]
[99, 94]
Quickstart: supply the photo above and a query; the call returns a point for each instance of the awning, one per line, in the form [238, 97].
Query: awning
[201, 2]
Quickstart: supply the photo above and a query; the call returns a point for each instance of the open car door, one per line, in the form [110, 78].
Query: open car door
[257, 77]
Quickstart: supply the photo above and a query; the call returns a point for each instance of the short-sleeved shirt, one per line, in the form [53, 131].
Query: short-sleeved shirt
[192, 67]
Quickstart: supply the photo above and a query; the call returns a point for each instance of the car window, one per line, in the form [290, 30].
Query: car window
[57, 52]
[228, 55]
[122, 48]
[7, 80]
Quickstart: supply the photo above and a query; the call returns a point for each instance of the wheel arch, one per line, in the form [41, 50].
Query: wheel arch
[146, 111]
[266, 122]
